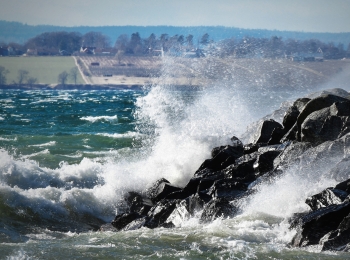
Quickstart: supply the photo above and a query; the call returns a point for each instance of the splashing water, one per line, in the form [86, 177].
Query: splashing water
[66, 170]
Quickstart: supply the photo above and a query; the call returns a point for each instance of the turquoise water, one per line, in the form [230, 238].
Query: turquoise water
[68, 157]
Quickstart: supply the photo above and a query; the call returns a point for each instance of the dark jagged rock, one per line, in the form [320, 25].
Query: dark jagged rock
[222, 157]
[160, 189]
[122, 220]
[264, 161]
[141, 205]
[135, 224]
[326, 124]
[328, 222]
[251, 148]
[291, 154]
[218, 208]
[326, 198]
[317, 224]
[197, 201]
[293, 112]
[338, 239]
[276, 136]
[159, 213]
[243, 171]
[227, 188]
[264, 131]
[314, 105]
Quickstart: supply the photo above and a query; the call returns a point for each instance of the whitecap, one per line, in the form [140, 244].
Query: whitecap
[124, 135]
[51, 143]
[94, 119]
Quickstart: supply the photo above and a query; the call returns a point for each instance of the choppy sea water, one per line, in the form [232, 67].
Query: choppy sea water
[68, 157]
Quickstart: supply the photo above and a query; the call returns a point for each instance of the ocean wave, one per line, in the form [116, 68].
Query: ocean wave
[94, 119]
[8, 139]
[125, 135]
[51, 143]
[46, 151]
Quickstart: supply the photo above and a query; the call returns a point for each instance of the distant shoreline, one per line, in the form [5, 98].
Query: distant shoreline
[84, 87]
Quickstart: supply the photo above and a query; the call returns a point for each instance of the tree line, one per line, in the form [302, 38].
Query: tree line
[134, 44]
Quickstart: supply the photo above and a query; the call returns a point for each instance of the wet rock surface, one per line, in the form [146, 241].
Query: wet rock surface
[315, 132]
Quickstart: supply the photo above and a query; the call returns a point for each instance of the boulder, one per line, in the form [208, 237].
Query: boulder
[222, 157]
[160, 189]
[315, 225]
[264, 162]
[314, 105]
[291, 153]
[179, 214]
[122, 220]
[326, 124]
[218, 208]
[197, 201]
[338, 239]
[293, 112]
[264, 131]
[159, 213]
[329, 196]
[229, 189]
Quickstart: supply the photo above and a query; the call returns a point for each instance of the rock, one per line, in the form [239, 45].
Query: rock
[122, 220]
[160, 189]
[326, 198]
[314, 105]
[276, 136]
[223, 156]
[251, 148]
[135, 224]
[293, 112]
[179, 214]
[159, 213]
[227, 188]
[264, 162]
[328, 223]
[217, 208]
[291, 153]
[243, 171]
[264, 131]
[334, 91]
[315, 225]
[338, 239]
[197, 201]
[326, 124]
[140, 205]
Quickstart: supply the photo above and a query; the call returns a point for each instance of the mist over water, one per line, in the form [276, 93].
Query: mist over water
[68, 158]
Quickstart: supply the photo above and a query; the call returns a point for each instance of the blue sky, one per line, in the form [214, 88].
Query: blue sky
[292, 15]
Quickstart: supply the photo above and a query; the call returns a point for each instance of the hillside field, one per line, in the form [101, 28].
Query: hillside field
[45, 69]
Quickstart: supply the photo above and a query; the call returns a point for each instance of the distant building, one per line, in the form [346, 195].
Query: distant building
[31, 52]
[308, 56]
[87, 50]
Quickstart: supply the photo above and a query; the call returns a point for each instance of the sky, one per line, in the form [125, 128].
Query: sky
[290, 15]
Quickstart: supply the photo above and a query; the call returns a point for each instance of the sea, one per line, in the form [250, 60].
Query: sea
[68, 158]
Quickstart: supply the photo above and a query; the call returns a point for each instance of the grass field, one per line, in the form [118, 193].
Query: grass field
[45, 69]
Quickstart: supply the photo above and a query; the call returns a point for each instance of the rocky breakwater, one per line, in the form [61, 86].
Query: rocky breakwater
[315, 133]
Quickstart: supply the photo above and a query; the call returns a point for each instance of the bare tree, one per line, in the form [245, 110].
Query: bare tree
[62, 77]
[3, 72]
[74, 74]
[22, 76]
[31, 81]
